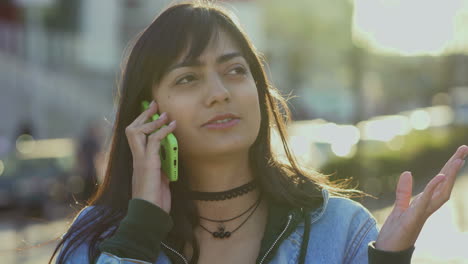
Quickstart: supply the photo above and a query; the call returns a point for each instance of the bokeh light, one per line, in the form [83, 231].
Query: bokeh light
[420, 119]
[25, 144]
[2, 167]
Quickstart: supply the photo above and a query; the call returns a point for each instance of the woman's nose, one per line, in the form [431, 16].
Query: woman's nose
[217, 90]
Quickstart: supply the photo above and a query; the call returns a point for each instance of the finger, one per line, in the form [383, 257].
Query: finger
[136, 141]
[164, 178]
[147, 114]
[154, 140]
[454, 169]
[461, 153]
[135, 137]
[403, 191]
[427, 204]
[446, 188]
[154, 125]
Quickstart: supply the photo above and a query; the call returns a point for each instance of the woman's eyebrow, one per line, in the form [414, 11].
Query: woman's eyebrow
[198, 63]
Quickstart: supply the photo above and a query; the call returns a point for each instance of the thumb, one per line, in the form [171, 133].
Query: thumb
[403, 191]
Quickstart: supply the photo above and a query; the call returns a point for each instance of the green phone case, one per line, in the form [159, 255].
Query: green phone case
[168, 151]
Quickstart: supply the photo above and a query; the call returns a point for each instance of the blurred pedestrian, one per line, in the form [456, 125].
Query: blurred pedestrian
[89, 146]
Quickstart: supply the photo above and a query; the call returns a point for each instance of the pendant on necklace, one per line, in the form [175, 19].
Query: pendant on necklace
[221, 233]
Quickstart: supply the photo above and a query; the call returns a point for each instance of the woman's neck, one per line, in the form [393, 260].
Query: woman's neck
[217, 175]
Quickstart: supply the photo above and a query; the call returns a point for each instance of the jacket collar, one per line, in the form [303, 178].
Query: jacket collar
[282, 221]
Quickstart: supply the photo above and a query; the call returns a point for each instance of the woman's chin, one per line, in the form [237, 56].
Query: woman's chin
[223, 149]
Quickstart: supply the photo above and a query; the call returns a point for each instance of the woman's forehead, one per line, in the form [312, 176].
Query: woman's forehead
[220, 43]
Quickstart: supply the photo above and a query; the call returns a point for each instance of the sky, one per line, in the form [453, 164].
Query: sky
[412, 27]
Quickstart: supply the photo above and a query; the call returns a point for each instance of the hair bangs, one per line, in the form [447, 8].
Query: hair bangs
[185, 39]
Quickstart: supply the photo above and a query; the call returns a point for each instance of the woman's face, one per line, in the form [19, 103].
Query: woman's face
[193, 92]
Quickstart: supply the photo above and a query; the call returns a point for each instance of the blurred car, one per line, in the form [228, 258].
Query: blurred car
[29, 184]
[7, 199]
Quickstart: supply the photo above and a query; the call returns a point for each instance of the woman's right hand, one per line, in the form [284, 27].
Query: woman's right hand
[149, 182]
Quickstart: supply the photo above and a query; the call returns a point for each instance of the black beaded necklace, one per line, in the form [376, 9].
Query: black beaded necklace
[221, 233]
[224, 195]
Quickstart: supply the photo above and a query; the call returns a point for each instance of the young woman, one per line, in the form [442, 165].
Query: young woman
[234, 202]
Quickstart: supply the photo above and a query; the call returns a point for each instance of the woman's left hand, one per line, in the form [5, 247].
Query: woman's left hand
[403, 225]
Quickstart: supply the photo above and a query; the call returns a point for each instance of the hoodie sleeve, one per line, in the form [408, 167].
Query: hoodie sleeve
[384, 257]
[140, 233]
[136, 240]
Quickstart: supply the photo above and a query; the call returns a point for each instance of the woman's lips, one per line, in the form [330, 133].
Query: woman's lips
[223, 125]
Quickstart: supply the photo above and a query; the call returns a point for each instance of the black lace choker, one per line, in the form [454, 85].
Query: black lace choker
[218, 196]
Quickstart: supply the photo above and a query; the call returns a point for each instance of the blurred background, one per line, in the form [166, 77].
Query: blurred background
[376, 88]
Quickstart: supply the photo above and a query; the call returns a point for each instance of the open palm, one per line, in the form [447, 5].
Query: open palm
[403, 225]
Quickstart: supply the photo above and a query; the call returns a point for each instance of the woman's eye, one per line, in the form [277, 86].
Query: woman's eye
[238, 70]
[185, 79]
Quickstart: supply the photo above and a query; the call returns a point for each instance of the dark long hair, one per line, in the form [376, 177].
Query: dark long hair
[179, 27]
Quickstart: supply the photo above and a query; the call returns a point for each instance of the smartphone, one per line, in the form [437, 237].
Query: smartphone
[168, 150]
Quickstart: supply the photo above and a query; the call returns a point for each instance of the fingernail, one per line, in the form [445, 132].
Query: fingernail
[172, 123]
[163, 115]
[466, 153]
[152, 103]
[444, 179]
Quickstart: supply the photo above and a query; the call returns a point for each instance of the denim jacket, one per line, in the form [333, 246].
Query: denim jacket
[339, 231]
